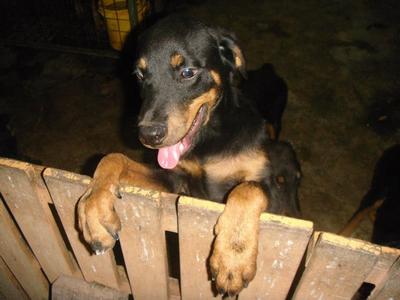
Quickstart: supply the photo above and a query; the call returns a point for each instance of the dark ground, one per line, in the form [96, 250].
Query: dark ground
[340, 60]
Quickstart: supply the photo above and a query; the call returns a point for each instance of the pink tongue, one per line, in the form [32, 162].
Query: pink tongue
[168, 157]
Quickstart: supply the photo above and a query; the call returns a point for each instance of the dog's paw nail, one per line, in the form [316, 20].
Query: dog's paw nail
[231, 294]
[115, 236]
[245, 283]
[99, 252]
[221, 291]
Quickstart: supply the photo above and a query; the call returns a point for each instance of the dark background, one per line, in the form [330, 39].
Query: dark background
[339, 59]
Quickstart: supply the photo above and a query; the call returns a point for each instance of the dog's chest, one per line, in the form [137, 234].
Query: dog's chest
[218, 174]
[246, 166]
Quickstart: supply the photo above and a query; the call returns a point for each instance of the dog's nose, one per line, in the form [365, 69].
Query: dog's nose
[152, 134]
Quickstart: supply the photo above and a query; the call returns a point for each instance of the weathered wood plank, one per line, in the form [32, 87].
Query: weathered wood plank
[10, 288]
[19, 259]
[26, 195]
[336, 268]
[382, 267]
[169, 212]
[282, 245]
[391, 288]
[173, 289]
[196, 220]
[70, 288]
[65, 189]
[143, 242]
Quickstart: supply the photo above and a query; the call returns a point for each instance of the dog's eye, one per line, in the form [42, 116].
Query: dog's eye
[188, 73]
[139, 74]
[280, 180]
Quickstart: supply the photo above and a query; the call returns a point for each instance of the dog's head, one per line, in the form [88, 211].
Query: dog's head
[284, 178]
[184, 68]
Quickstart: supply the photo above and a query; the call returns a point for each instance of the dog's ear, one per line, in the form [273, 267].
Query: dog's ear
[230, 52]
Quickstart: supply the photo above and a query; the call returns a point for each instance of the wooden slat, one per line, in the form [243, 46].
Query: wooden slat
[65, 189]
[143, 242]
[282, 245]
[196, 220]
[27, 197]
[19, 259]
[382, 267]
[174, 292]
[70, 288]
[391, 288]
[336, 268]
[169, 212]
[10, 288]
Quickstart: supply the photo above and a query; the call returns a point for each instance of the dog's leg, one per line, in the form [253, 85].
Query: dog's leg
[233, 260]
[359, 216]
[97, 217]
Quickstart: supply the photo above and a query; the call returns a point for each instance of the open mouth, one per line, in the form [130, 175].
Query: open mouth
[169, 156]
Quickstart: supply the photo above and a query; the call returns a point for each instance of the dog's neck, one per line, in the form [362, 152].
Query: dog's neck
[225, 128]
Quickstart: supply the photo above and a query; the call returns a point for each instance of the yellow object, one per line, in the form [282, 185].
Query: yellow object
[116, 15]
[142, 9]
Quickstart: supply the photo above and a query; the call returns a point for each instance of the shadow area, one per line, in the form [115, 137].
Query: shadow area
[269, 92]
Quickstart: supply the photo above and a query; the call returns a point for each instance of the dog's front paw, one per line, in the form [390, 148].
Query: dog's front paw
[98, 220]
[233, 260]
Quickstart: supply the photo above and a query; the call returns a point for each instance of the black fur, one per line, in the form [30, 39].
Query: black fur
[235, 125]
[386, 185]
[269, 93]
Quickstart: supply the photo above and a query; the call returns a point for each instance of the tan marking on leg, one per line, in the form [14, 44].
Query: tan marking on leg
[97, 217]
[245, 166]
[144, 179]
[191, 167]
[176, 60]
[355, 221]
[233, 260]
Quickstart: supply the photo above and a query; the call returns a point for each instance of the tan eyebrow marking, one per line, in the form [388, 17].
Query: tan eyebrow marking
[176, 60]
[142, 64]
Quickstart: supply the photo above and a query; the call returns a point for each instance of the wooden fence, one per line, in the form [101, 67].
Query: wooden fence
[40, 242]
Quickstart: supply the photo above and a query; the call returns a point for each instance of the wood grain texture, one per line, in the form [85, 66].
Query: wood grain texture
[19, 258]
[65, 189]
[70, 288]
[337, 267]
[26, 196]
[10, 288]
[143, 242]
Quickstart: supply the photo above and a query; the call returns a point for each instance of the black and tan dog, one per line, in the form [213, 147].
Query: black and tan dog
[382, 201]
[211, 143]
